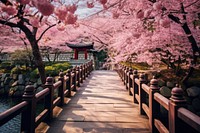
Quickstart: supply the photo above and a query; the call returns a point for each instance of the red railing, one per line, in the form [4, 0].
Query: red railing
[180, 119]
[27, 108]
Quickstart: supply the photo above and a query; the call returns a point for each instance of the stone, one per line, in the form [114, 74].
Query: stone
[39, 89]
[2, 91]
[21, 81]
[39, 82]
[161, 83]
[7, 80]
[14, 84]
[165, 91]
[18, 93]
[196, 104]
[193, 91]
[15, 76]
[6, 89]
[191, 108]
[170, 84]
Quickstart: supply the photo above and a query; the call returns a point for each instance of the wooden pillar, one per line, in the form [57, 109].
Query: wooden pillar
[176, 101]
[154, 106]
[28, 116]
[75, 54]
[85, 54]
[142, 94]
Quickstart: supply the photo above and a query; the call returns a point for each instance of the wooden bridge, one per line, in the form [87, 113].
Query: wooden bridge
[99, 102]
[100, 105]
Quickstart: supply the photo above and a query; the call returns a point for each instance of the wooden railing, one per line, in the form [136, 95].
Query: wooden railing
[180, 119]
[27, 108]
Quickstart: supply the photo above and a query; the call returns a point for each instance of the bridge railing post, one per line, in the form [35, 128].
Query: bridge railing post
[81, 74]
[130, 81]
[61, 88]
[135, 86]
[127, 78]
[74, 78]
[49, 97]
[154, 107]
[28, 116]
[176, 101]
[142, 94]
[84, 72]
[78, 75]
[124, 75]
[69, 82]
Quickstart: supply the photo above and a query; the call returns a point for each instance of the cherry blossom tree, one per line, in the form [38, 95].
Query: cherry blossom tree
[28, 16]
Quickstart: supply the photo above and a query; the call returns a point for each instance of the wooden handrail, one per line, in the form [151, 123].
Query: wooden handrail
[162, 100]
[189, 118]
[138, 88]
[29, 121]
[12, 112]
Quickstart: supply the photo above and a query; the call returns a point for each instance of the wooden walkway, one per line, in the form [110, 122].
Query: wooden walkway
[101, 105]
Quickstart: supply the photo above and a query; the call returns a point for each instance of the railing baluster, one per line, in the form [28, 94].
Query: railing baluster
[176, 101]
[61, 88]
[154, 107]
[49, 97]
[130, 81]
[135, 86]
[28, 116]
[142, 94]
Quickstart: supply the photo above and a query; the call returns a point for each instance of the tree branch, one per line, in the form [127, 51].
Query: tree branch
[45, 32]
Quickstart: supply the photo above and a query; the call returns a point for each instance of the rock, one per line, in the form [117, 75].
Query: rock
[39, 89]
[18, 94]
[161, 83]
[15, 84]
[21, 81]
[198, 113]
[11, 82]
[196, 104]
[35, 85]
[7, 80]
[15, 76]
[170, 84]
[4, 76]
[39, 82]
[27, 79]
[165, 91]
[2, 91]
[6, 89]
[193, 91]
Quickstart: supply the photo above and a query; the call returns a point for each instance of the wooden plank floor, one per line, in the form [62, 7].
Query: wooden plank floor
[101, 105]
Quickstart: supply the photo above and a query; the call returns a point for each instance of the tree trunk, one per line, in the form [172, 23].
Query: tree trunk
[38, 61]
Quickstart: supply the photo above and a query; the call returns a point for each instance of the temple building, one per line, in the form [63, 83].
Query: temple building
[82, 50]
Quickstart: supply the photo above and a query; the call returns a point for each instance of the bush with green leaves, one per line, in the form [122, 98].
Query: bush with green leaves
[52, 70]
[20, 70]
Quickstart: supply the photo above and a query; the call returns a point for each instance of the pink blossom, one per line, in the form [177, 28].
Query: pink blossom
[90, 5]
[61, 12]
[140, 14]
[70, 18]
[157, 6]
[24, 1]
[61, 27]
[165, 23]
[35, 22]
[72, 8]
[136, 35]
[147, 13]
[103, 2]
[10, 10]
[115, 14]
[45, 8]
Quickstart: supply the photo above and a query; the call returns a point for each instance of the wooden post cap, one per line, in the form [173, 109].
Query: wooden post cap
[29, 92]
[142, 77]
[177, 95]
[154, 84]
[61, 74]
[135, 72]
[49, 81]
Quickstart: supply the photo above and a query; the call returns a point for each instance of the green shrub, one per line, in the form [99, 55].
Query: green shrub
[19, 70]
[52, 70]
